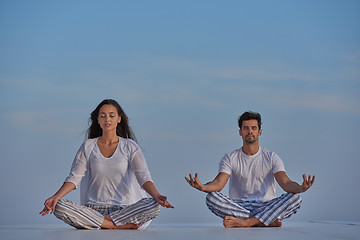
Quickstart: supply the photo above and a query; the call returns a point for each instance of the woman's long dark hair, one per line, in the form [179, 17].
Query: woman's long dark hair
[123, 129]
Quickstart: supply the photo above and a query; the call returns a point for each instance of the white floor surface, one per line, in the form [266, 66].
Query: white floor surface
[290, 230]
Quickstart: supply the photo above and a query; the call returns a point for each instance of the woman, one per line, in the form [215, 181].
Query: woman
[113, 175]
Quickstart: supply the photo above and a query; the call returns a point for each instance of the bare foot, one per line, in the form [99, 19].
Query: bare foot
[109, 224]
[233, 222]
[276, 223]
[127, 226]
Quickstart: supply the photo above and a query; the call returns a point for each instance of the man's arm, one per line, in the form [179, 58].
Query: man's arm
[215, 185]
[292, 187]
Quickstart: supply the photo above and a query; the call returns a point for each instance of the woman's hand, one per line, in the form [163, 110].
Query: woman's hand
[50, 205]
[162, 200]
[51, 202]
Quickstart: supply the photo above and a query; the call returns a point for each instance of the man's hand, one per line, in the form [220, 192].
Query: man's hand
[195, 182]
[292, 187]
[307, 183]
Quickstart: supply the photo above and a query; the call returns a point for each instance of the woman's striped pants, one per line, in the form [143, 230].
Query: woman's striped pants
[265, 211]
[92, 216]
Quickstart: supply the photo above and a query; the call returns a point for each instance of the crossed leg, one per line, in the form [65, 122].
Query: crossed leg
[263, 214]
[130, 217]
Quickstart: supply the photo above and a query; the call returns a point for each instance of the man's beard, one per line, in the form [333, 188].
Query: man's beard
[250, 140]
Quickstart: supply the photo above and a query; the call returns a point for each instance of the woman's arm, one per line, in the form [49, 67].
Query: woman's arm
[292, 187]
[78, 169]
[215, 185]
[151, 189]
[51, 202]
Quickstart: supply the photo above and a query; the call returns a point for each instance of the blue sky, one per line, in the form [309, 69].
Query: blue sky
[183, 71]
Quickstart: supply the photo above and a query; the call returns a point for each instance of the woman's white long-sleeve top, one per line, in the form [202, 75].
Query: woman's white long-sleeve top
[116, 180]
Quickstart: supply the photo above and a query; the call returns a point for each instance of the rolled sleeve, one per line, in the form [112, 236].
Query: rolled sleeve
[139, 167]
[78, 167]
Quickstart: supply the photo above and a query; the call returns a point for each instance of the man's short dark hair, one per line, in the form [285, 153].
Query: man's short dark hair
[249, 116]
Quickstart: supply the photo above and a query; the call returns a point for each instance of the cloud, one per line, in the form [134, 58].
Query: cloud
[293, 86]
[320, 101]
[55, 121]
[306, 100]
[200, 83]
[267, 72]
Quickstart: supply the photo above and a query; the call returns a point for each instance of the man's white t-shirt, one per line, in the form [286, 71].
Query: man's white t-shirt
[252, 177]
[116, 180]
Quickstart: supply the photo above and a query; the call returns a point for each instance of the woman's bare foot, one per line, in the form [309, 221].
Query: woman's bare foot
[127, 226]
[109, 224]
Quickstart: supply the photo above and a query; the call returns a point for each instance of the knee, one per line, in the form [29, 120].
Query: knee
[62, 207]
[61, 201]
[147, 201]
[212, 197]
[150, 202]
[157, 209]
[60, 204]
[156, 206]
[297, 198]
[294, 197]
[208, 197]
[151, 208]
[216, 195]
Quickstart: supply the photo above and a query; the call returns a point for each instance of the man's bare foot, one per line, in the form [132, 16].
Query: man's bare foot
[233, 222]
[276, 223]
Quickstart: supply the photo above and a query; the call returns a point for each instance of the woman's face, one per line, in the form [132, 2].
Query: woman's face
[108, 117]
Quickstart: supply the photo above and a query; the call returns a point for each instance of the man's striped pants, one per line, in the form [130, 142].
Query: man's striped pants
[265, 211]
[92, 216]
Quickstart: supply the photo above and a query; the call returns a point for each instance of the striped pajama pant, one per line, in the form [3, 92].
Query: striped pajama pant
[265, 211]
[92, 216]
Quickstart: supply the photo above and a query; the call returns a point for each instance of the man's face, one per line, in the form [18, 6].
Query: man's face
[250, 131]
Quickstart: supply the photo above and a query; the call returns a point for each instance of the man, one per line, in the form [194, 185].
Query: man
[252, 171]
